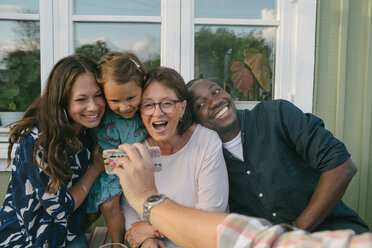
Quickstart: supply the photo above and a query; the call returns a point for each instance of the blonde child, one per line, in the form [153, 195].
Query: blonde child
[121, 75]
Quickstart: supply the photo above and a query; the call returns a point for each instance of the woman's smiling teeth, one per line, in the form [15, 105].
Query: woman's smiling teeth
[159, 124]
[222, 112]
[91, 116]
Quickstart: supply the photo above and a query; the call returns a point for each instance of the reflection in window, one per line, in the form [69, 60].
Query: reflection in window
[243, 9]
[19, 64]
[118, 7]
[96, 39]
[241, 59]
[19, 6]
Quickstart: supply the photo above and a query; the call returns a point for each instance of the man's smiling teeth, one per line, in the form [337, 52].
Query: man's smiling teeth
[91, 116]
[224, 110]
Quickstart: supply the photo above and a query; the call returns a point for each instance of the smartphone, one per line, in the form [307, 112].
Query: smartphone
[111, 157]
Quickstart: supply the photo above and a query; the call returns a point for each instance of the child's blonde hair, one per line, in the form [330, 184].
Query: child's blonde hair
[121, 68]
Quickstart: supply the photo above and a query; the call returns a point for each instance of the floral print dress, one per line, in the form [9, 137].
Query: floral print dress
[32, 217]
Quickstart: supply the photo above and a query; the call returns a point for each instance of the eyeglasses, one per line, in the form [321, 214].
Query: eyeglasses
[166, 106]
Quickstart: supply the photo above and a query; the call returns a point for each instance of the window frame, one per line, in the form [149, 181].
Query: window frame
[295, 48]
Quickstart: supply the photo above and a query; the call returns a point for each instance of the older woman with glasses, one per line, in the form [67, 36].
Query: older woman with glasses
[193, 168]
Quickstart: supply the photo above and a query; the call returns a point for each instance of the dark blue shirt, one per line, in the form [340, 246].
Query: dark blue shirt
[285, 152]
[31, 217]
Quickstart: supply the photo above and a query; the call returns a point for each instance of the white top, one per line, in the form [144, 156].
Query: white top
[235, 147]
[195, 176]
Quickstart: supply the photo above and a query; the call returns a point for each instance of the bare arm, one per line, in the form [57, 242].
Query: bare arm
[328, 192]
[185, 226]
[80, 190]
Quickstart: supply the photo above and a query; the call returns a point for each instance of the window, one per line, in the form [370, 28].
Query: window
[192, 36]
[235, 45]
[118, 26]
[277, 34]
[19, 57]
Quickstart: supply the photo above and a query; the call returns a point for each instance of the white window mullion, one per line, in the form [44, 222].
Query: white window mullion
[170, 34]
[62, 27]
[46, 40]
[238, 22]
[17, 17]
[294, 69]
[110, 18]
[305, 54]
[283, 52]
[187, 40]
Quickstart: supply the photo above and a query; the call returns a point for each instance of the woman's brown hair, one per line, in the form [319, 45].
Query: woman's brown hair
[121, 68]
[57, 140]
[174, 81]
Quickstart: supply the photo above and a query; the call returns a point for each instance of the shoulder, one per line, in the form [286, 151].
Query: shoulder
[205, 137]
[275, 105]
[31, 138]
[273, 109]
[24, 151]
[202, 131]
[204, 144]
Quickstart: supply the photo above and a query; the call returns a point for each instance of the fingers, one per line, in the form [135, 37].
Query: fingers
[142, 149]
[137, 155]
[153, 243]
[136, 174]
[121, 162]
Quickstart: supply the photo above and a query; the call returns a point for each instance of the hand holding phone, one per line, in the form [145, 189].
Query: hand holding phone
[111, 157]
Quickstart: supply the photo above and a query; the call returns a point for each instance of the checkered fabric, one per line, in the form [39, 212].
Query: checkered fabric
[238, 231]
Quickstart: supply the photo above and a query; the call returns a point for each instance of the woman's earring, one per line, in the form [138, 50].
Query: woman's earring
[180, 119]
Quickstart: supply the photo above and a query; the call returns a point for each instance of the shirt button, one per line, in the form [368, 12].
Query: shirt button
[248, 172]
[274, 214]
[260, 195]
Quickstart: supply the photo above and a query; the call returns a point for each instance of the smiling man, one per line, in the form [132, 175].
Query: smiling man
[283, 165]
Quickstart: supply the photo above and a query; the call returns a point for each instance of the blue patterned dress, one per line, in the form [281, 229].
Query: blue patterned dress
[31, 217]
[112, 132]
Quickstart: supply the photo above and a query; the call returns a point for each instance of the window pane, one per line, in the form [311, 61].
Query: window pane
[96, 39]
[240, 9]
[241, 59]
[19, 65]
[118, 7]
[19, 6]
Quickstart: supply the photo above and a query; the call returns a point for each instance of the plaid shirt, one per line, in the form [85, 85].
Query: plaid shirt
[238, 231]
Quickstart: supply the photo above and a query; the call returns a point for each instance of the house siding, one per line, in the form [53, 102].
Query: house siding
[343, 88]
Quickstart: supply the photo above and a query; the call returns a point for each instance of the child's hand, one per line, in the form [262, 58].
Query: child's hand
[97, 162]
